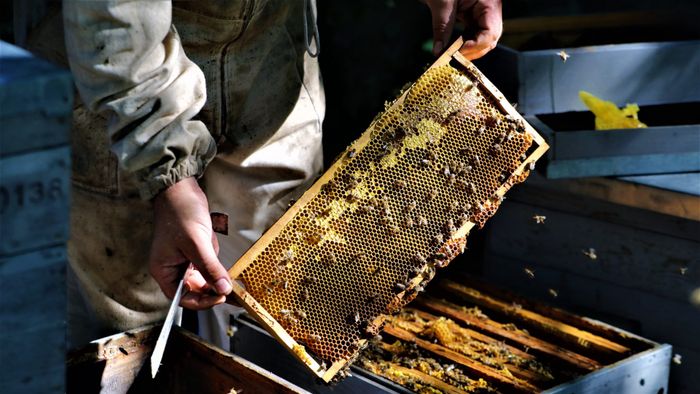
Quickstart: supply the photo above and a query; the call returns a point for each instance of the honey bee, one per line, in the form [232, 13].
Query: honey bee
[529, 272]
[553, 293]
[466, 151]
[590, 253]
[364, 209]
[330, 259]
[496, 149]
[476, 160]
[399, 184]
[431, 195]
[399, 287]
[563, 55]
[408, 222]
[353, 318]
[352, 197]
[359, 256]
[452, 179]
[446, 171]
[313, 338]
[301, 314]
[439, 259]
[375, 270]
[422, 221]
[481, 130]
[683, 270]
[393, 230]
[464, 219]
[411, 206]
[531, 166]
[419, 259]
[309, 280]
[351, 153]
[287, 255]
[438, 239]
[314, 238]
[352, 182]
[305, 295]
[677, 359]
[449, 227]
[539, 219]
[372, 298]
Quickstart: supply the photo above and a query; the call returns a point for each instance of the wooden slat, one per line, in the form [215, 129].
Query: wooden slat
[477, 335]
[596, 327]
[453, 311]
[472, 366]
[424, 378]
[578, 338]
[525, 374]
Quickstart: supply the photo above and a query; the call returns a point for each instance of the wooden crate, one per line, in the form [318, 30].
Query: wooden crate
[32, 321]
[117, 364]
[35, 112]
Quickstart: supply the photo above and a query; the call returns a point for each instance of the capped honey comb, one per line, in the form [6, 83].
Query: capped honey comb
[399, 203]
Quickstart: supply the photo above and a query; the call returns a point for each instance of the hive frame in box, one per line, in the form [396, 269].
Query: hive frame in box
[273, 326]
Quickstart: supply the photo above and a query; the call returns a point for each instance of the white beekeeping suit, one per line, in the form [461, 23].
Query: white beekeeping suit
[224, 90]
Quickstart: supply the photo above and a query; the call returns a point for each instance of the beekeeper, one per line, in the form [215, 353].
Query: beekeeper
[188, 107]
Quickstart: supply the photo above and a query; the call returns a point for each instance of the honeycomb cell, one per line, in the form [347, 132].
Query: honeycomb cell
[388, 212]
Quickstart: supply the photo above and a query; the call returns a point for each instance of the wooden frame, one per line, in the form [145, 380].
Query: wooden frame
[259, 312]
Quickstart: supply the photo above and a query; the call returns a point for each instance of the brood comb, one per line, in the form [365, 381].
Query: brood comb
[399, 203]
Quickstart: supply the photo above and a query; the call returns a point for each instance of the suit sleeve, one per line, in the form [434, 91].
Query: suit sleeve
[129, 64]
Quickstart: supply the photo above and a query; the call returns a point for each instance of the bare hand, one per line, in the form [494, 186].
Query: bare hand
[183, 234]
[482, 16]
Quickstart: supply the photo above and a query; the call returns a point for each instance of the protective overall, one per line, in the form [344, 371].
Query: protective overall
[218, 89]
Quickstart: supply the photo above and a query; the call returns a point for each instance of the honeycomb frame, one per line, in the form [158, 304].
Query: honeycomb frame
[282, 301]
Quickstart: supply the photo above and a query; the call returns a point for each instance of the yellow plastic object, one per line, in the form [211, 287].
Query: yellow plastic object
[369, 234]
[608, 116]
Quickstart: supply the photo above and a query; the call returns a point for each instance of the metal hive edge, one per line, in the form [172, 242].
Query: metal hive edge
[274, 327]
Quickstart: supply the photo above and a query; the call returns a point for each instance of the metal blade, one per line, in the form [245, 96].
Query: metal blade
[159, 349]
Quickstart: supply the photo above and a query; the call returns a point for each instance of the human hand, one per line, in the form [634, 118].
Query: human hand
[183, 234]
[483, 17]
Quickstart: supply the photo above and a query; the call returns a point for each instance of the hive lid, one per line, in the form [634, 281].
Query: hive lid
[399, 203]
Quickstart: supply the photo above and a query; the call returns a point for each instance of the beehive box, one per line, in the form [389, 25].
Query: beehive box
[369, 234]
[35, 112]
[465, 335]
[35, 109]
[117, 364]
[671, 143]
[646, 73]
[646, 265]
[655, 75]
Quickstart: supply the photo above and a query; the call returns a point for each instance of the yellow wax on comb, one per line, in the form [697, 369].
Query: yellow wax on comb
[608, 116]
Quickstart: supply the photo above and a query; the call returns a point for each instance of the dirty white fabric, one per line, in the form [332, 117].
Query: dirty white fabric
[162, 84]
